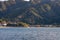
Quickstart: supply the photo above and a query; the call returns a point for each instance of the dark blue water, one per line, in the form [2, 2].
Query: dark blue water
[29, 33]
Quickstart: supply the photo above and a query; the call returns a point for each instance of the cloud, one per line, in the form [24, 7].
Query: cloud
[3, 0]
[27, 0]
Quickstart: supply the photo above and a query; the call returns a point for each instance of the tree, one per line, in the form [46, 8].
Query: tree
[23, 24]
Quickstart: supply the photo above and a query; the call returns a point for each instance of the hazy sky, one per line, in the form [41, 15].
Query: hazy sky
[3, 0]
[26, 0]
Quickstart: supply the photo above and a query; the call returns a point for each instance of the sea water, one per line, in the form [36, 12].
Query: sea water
[19, 33]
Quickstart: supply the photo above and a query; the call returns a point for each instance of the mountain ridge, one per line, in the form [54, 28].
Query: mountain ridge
[33, 12]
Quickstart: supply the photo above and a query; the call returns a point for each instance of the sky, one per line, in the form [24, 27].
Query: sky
[27, 0]
[3, 0]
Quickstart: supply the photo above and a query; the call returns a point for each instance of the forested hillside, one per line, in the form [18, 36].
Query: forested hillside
[32, 12]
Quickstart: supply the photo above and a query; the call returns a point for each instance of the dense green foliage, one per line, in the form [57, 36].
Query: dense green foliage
[44, 12]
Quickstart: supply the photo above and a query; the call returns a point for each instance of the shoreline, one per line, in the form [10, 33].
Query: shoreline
[26, 27]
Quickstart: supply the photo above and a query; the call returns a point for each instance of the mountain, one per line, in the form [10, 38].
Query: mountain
[32, 12]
